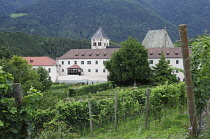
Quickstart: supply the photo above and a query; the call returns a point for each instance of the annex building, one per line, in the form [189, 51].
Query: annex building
[87, 65]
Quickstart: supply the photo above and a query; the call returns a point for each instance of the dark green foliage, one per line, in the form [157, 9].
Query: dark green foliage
[10, 6]
[21, 44]
[45, 79]
[129, 64]
[81, 18]
[194, 13]
[23, 73]
[5, 53]
[14, 121]
[200, 65]
[89, 89]
[162, 72]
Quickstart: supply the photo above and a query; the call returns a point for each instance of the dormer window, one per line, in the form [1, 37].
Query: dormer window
[105, 53]
[159, 52]
[176, 52]
[168, 52]
[77, 53]
[31, 61]
[83, 54]
[151, 53]
[97, 54]
[90, 53]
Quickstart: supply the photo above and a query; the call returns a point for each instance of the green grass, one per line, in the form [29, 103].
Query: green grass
[18, 15]
[171, 127]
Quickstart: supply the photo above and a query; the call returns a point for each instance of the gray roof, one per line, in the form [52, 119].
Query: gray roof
[157, 38]
[100, 35]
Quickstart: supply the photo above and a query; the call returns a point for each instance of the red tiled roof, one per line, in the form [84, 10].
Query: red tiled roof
[75, 66]
[40, 61]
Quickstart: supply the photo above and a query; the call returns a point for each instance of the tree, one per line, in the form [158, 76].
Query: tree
[5, 53]
[22, 73]
[129, 64]
[200, 65]
[162, 72]
[45, 79]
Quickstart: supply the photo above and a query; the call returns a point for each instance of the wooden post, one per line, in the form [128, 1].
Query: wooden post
[188, 79]
[18, 94]
[147, 107]
[91, 120]
[116, 109]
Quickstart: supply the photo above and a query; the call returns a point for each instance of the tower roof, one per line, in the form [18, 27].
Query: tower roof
[100, 34]
[157, 38]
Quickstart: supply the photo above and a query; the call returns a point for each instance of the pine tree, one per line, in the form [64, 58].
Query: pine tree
[162, 72]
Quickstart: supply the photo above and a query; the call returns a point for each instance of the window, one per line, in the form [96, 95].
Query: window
[49, 70]
[99, 44]
[104, 70]
[75, 62]
[94, 44]
[96, 70]
[89, 62]
[68, 62]
[89, 70]
[151, 62]
[96, 62]
[169, 61]
[82, 62]
[177, 71]
[177, 61]
[103, 62]
[62, 62]
[100, 39]
[62, 70]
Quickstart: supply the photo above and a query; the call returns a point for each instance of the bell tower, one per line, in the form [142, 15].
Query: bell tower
[99, 40]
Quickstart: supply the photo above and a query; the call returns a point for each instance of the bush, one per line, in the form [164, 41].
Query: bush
[92, 88]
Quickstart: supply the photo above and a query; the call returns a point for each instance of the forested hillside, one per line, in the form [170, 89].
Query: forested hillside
[194, 13]
[32, 45]
[81, 18]
[9, 6]
[78, 19]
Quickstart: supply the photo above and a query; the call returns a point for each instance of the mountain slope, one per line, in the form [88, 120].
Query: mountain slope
[9, 6]
[194, 13]
[29, 45]
[81, 18]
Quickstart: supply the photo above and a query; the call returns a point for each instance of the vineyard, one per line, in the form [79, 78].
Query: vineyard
[65, 111]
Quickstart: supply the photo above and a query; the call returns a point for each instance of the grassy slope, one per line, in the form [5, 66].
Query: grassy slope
[173, 127]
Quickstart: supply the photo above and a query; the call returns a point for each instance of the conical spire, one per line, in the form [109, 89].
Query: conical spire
[100, 34]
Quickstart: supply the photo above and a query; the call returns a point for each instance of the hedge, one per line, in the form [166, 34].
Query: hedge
[92, 88]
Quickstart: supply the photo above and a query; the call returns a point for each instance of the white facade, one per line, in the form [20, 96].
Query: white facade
[174, 62]
[52, 70]
[92, 70]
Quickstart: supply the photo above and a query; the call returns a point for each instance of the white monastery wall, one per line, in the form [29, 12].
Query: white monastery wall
[174, 62]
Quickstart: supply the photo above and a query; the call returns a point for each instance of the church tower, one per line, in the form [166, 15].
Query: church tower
[99, 40]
